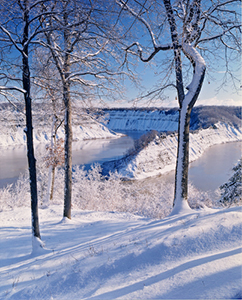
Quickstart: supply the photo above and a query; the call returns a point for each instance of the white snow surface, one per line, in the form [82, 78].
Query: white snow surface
[14, 136]
[124, 119]
[105, 255]
[160, 155]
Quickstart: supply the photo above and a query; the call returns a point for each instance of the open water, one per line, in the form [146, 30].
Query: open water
[206, 173]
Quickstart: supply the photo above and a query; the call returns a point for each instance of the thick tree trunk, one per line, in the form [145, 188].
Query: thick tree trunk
[181, 181]
[29, 129]
[182, 163]
[68, 153]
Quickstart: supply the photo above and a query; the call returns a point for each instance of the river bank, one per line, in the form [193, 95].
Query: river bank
[159, 156]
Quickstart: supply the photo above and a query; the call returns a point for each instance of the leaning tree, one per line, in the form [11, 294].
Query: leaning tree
[187, 33]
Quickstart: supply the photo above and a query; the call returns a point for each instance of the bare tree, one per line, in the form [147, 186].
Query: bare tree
[191, 30]
[48, 86]
[19, 28]
[82, 52]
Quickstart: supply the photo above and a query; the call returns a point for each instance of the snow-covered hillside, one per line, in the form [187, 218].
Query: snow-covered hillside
[12, 122]
[12, 128]
[16, 136]
[160, 154]
[105, 255]
[145, 119]
[141, 119]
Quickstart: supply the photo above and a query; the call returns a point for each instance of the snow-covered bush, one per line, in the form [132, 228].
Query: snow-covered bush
[92, 191]
[231, 191]
[151, 197]
[15, 195]
[199, 199]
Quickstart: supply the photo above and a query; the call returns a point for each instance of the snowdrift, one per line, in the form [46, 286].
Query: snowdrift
[122, 256]
[159, 156]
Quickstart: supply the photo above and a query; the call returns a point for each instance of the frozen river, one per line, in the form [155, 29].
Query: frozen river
[206, 173]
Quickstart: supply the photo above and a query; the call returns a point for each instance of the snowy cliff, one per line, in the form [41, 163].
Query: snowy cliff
[159, 156]
[167, 119]
[142, 119]
[12, 123]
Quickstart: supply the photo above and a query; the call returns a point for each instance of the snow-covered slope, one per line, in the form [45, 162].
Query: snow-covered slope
[15, 136]
[160, 155]
[159, 119]
[140, 119]
[122, 256]
[12, 128]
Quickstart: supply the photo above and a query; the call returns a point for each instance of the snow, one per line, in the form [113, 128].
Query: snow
[125, 119]
[159, 157]
[106, 255]
[15, 136]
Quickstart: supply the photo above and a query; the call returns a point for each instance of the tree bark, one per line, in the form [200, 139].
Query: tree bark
[68, 153]
[29, 127]
[52, 182]
[182, 163]
[68, 118]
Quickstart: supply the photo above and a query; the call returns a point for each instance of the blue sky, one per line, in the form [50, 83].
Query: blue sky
[215, 90]
[211, 94]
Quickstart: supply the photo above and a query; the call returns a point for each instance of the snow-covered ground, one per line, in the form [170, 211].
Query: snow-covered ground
[119, 255]
[105, 255]
[159, 156]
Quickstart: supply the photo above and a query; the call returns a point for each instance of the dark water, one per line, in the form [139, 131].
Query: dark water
[206, 173]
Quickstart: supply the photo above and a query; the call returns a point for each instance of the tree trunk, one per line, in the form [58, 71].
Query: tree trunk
[29, 128]
[68, 153]
[182, 163]
[68, 117]
[51, 175]
[52, 182]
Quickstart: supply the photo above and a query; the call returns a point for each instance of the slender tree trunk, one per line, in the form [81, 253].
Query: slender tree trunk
[51, 175]
[52, 182]
[29, 128]
[68, 118]
[68, 153]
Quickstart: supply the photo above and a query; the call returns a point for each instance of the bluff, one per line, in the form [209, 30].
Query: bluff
[161, 119]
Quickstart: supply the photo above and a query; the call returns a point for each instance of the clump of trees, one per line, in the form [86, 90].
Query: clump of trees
[76, 41]
[143, 142]
[231, 191]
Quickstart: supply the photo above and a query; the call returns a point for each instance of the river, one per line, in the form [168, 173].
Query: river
[207, 173]
[213, 168]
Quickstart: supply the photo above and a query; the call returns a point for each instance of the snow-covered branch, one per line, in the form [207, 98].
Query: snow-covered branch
[217, 36]
[12, 40]
[9, 88]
